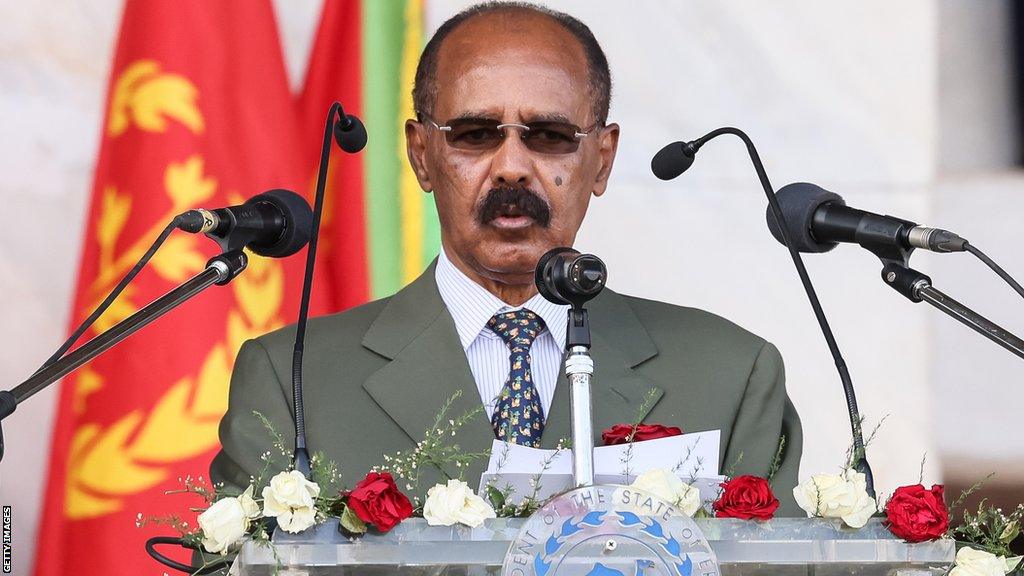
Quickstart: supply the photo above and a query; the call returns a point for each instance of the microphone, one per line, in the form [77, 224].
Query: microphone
[564, 276]
[818, 220]
[273, 224]
[676, 158]
[349, 133]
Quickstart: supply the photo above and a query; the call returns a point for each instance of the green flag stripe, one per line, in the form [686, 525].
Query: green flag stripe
[383, 27]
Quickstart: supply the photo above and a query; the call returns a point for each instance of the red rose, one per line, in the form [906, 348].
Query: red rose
[916, 514]
[746, 497]
[619, 433]
[376, 500]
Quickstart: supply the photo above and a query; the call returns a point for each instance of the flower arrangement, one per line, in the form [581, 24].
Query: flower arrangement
[295, 503]
[918, 514]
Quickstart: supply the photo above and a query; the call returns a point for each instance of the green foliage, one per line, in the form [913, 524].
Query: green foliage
[350, 523]
[277, 439]
[500, 498]
[702, 513]
[434, 449]
[777, 459]
[989, 528]
[853, 454]
[324, 472]
[730, 471]
[645, 406]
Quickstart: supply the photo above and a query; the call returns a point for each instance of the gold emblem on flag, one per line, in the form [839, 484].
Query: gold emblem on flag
[137, 450]
[147, 97]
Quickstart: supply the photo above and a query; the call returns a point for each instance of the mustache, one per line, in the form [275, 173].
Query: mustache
[526, 202]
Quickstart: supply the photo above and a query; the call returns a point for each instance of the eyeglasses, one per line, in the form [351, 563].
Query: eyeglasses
[544, 137]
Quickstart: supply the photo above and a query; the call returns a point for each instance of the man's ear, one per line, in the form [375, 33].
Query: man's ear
[416, 149]
[608, 145]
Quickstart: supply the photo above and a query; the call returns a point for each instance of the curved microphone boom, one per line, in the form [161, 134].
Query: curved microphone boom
[350, 134]
[676, 158]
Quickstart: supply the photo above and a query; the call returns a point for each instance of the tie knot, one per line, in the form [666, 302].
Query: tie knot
[517, 328]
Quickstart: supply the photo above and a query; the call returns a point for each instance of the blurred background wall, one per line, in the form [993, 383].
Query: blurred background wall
[907, 108]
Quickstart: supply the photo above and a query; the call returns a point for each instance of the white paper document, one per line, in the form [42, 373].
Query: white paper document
[689, 455]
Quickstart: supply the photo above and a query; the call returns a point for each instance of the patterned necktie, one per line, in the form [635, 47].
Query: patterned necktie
[518, 416]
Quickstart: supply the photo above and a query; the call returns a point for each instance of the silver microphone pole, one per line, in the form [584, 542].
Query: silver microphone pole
[579, 366]
[564, 276]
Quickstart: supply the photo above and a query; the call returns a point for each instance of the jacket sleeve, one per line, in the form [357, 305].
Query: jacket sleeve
[766, 416]
[244, 439]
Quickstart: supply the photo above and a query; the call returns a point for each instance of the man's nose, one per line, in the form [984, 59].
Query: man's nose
[512, 162]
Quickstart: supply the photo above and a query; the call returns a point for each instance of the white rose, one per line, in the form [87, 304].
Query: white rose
[837, 496]
[666, 485]
[290, 498]
[249, 506]
[972, 562]
[227, 520]
[455, 502]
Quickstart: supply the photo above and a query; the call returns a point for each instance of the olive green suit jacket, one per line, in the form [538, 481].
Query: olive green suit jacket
[376, 375]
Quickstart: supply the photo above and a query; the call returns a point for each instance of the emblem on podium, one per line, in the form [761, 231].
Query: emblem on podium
[609, 530]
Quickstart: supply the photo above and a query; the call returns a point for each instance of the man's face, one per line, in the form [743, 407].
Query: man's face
[503, 207]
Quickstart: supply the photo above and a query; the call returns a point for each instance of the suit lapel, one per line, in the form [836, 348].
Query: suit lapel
[620, 343]
[428, 366]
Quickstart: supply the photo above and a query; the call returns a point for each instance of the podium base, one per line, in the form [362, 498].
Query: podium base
[783, 546]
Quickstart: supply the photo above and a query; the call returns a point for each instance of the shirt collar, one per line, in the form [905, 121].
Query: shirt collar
[471, 305]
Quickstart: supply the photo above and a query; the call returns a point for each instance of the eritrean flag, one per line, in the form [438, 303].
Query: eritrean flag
[365, 56]
[199, 113]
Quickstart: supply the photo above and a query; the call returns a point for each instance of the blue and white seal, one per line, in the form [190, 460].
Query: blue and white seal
[609, 531]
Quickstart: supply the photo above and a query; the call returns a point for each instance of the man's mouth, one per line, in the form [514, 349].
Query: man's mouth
[509, 209]
[511, 217]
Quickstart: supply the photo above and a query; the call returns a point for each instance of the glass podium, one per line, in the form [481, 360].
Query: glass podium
[600, 537]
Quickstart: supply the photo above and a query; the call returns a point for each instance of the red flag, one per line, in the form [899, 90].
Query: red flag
[380, 229]
[335, 73]
[198, 114]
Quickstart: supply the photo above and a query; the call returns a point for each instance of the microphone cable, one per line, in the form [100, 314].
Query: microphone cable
[213, 566]
[968, 247]
[125, 281]
[102, 307]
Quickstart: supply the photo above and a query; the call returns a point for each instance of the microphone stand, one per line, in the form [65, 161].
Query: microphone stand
[350, 135]
[564, 276]
[860, 462]
[579, 366]
[219, 270]
[918, 287]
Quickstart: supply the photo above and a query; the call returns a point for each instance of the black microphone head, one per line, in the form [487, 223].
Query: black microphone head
[350, 134]
[298, 222]
[671, 161]
[564, 276]
[799, 202]
[542, 274]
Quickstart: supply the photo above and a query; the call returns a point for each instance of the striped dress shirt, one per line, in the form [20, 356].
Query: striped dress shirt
[471, 306]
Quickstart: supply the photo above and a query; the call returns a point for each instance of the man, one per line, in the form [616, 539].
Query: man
[511, 138]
